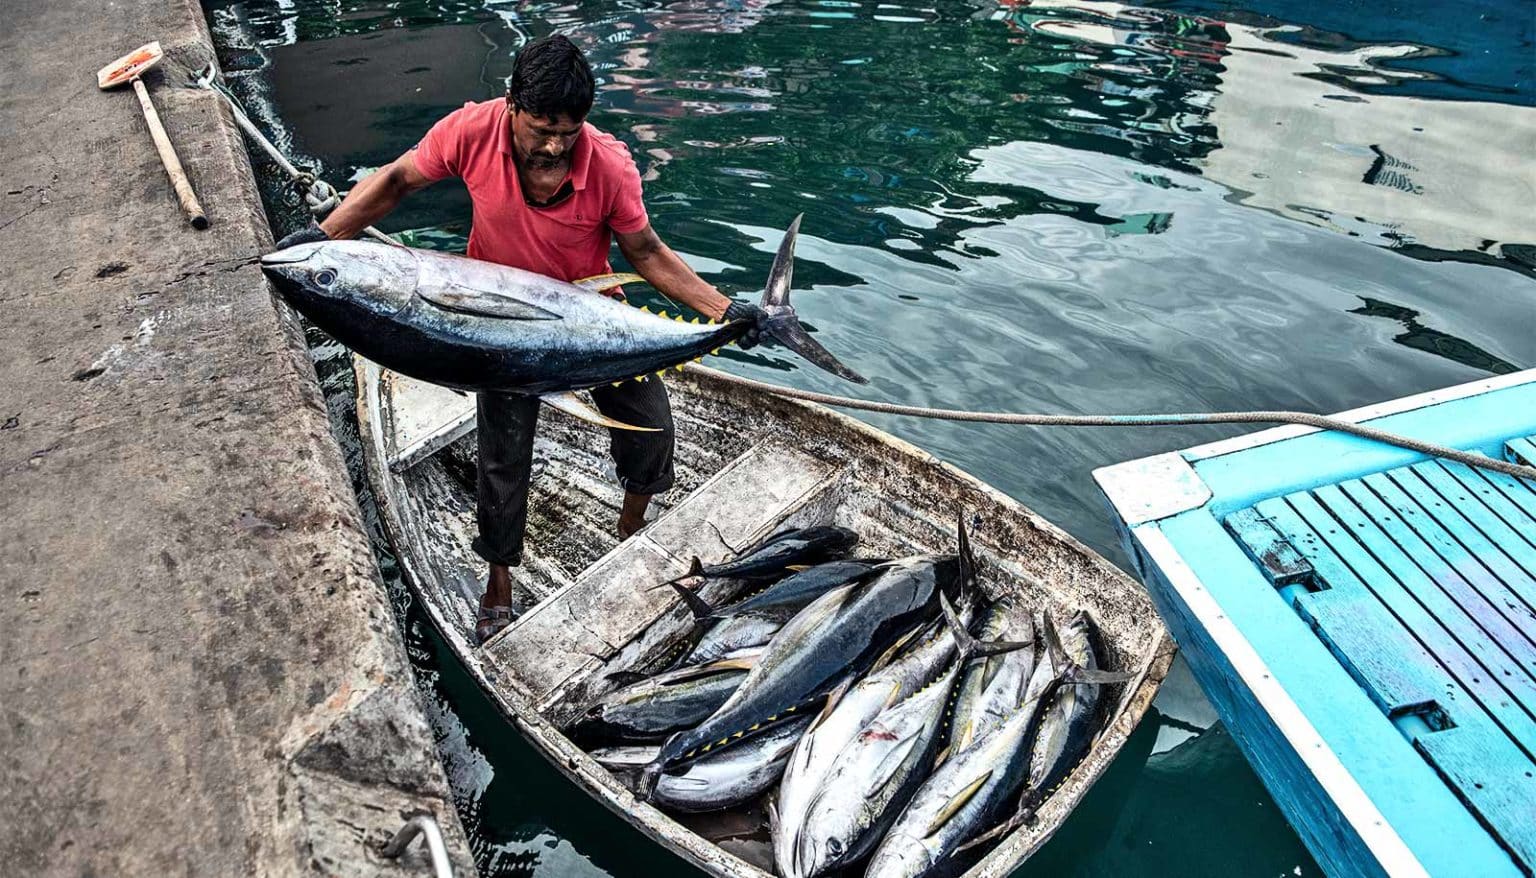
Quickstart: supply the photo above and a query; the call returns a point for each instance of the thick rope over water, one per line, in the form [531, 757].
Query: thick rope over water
[1308, 419]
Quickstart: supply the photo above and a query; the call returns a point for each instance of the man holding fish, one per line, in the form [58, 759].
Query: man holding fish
[549, 193]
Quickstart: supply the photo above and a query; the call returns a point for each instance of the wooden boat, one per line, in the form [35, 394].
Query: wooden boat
[1364, 621]
[747, 463]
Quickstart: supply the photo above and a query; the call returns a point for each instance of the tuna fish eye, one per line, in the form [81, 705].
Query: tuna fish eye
[325, 277]
[834, 847]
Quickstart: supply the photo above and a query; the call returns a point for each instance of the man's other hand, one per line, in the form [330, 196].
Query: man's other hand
[747, 311]
[307, 235]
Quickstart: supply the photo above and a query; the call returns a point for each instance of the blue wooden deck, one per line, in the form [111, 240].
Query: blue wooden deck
[1364, 621]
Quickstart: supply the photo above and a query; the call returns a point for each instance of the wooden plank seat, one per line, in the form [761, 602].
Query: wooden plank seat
[552, 653]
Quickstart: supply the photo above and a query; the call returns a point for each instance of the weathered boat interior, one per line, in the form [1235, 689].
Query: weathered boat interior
[747, 464]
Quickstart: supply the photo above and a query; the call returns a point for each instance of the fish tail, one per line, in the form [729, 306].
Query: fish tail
[783, 325]
[968, 646]
[700, 608]
[967, 554]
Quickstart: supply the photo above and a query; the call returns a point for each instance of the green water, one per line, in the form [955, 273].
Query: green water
[1049, 206]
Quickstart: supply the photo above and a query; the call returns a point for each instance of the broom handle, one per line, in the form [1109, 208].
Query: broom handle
[173, 168]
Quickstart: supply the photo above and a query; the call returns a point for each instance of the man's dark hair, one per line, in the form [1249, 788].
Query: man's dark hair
[551, 78]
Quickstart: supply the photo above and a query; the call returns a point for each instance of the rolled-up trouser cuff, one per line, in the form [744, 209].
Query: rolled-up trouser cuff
[643, 461]
[491, 556]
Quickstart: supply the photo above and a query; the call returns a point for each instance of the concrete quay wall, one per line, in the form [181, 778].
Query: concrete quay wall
[199, 670]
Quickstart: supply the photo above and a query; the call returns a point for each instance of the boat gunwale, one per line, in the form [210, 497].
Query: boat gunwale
[1017, 846]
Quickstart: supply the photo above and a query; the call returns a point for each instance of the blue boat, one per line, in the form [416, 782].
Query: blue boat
[1364, 621]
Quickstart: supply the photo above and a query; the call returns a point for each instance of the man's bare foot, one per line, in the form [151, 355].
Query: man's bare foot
[632, 514]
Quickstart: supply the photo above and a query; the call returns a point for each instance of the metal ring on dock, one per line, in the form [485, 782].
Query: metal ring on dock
[425, 826]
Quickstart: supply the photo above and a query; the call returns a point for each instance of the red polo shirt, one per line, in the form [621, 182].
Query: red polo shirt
[568, 240]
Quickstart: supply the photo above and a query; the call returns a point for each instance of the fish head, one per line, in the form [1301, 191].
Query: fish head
[899, 856]
[378, 277]
[823, 844]
[834, 822]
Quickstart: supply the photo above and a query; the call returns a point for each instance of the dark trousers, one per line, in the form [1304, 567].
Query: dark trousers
[505, 424]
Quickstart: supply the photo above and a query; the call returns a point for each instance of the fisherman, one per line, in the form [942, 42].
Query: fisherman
[549, 192]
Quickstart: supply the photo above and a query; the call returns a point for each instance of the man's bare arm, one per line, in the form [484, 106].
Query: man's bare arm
[374, 197]
[667, 272]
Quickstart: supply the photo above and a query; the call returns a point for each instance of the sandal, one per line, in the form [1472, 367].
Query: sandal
[489, 621]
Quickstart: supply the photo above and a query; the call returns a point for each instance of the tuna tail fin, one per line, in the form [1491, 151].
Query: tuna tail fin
[783, 325]
[700, 609]
[967, 555]
[969, 647]
[1072, 673]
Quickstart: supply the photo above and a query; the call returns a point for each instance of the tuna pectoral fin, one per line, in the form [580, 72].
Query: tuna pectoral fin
[599, 282]
[574, 406]
[782, 324]
[1002, 829]
[953, 806]
[485, 303]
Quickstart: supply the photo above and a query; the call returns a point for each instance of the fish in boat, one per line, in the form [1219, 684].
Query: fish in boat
[970, 789]
[1066, 731]
[877, 772]
[479, 326]
[908, 665]
[1071, 719]
[795, 590]
[993, 687]
[753, 628]
[754, 620]
[724, 779]
[651, 708]
[835, 637]
[773, 555]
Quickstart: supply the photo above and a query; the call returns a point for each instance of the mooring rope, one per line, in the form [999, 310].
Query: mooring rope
[319, 196]
[1182, 419]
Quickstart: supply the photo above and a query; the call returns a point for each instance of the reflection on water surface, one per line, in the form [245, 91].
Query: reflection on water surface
[1050, 206]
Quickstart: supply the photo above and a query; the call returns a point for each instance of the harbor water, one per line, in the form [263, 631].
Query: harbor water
[1054, 206]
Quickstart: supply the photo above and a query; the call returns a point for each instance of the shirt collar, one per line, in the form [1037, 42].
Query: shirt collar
[581, 153]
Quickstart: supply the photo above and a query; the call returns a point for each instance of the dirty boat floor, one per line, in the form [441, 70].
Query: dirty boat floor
[1365, 622]
[747, 464]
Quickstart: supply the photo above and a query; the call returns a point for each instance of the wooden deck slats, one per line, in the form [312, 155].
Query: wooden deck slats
[1522, 450]
[1492, 528]
[1465, 593]
[1515, 491]
[1454, 524]
[1348, 567]
[1421, 580]
[1409, 664]
[1505, 504]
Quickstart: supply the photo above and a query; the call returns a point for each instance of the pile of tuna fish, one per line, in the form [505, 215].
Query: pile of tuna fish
[897, 718]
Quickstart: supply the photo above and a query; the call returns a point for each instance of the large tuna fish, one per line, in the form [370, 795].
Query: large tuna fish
[475, 325]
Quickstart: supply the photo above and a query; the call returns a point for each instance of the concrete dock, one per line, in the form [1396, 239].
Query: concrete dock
[199, 670]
